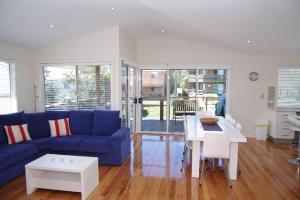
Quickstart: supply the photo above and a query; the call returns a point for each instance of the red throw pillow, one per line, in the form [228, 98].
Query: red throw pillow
[17, 133]
[59, 127]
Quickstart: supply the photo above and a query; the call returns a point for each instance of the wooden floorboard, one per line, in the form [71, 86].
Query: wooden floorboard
[152, 171]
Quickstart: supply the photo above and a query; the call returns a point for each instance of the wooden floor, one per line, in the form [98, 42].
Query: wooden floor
[153, 172]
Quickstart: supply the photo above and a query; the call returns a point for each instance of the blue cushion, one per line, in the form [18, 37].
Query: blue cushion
[6, 160]
[67, 143]
[52, 115]
[95, 144]
[18, 151]
[9, 119]
[3, 138]
[38, 124]
[106, 122]
[41, 143]
[81, 122]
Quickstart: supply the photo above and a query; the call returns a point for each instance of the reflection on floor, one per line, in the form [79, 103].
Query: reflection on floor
[153, 125]
[152, 171]
[165, 162]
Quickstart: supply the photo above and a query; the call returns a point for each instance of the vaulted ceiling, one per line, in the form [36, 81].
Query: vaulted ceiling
[253, 26]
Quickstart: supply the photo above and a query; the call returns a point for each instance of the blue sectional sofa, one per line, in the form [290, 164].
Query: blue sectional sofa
[93, 133]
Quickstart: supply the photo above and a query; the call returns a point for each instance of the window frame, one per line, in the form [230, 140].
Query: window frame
[76, 65]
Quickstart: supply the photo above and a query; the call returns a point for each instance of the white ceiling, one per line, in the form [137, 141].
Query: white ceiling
[273, 26]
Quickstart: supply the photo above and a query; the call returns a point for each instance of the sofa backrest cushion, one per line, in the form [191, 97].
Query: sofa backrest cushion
[38, 125]
[106, 122]
[52, 115]
[81, 122]
[9, 119]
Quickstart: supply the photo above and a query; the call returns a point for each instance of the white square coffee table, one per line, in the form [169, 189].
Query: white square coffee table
[63, 172]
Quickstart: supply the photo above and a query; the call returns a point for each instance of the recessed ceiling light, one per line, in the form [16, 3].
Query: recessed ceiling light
[51, 26]
[249, 41]
[112, 8]
[162, 31]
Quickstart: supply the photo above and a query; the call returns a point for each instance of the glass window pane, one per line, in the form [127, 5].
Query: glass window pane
[8, 102]
[60, 87]
[4, 79]
[288, 94]
[77, 87]
[182, 97]
[211, 86]
[154, 100]
[124, 112]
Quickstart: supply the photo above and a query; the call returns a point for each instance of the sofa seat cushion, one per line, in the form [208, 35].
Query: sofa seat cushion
[41, 143]
[67, 143]
[6, 160]
[19, 151]
[81, 122]
[106, 122]
[38, 124]
[96, 144]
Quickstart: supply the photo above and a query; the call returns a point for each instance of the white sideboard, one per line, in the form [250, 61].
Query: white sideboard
[280, 126]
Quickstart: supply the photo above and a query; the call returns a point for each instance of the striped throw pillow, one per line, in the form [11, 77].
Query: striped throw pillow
[17, 133]
[59, 127]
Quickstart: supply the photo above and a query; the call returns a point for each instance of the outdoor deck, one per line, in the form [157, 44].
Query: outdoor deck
[153, 125]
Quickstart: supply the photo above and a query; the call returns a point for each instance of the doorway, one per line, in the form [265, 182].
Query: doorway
[154, 100]
[169, 94]
[129, 100]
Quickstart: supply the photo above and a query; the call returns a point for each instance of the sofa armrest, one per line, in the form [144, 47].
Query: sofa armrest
[121, 134]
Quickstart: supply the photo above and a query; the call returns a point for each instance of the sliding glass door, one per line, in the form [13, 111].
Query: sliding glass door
[183, 88]
[154, 100]
[124, 110]
[170, 94]
[132, 98]
[129, 100]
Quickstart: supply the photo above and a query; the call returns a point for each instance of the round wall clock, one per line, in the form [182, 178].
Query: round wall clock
[253, 76]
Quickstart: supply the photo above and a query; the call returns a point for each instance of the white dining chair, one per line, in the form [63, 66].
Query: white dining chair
[233, 122]
[238, 126]
[187, 144]
[230, 119]
[295, 127]
[215, 145]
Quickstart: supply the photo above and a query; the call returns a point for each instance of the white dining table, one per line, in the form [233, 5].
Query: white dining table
[195, 134]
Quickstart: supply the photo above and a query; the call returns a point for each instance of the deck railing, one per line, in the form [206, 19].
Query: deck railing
[159, 103]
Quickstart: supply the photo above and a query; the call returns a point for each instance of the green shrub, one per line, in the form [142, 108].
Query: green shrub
[145, 113]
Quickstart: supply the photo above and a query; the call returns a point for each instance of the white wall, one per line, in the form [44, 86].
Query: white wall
[112, 44]
[128, 47]
[102, 45]
[22, 58]
[246, 101]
